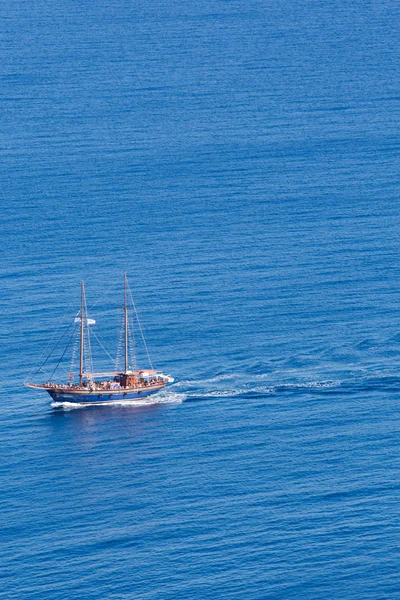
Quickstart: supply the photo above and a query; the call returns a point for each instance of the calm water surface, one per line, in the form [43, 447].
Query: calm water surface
[241, 161]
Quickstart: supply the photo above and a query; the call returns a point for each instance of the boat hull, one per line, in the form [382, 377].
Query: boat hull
[101, 397]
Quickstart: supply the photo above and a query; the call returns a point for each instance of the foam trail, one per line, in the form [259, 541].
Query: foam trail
[164, 397]
[308, 385]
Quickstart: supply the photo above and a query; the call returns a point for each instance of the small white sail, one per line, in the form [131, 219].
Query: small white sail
[88, 321]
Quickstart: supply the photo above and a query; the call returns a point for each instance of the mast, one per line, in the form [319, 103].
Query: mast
[82, 334]
[125, 327]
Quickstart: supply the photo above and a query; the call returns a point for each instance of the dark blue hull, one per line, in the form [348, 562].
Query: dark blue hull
[102, 397]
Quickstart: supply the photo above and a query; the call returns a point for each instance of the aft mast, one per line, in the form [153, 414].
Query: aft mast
[82, 334]
[125, 326]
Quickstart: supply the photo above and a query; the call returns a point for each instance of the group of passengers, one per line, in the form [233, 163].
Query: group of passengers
[63, 386]
[104, 385]
[100, 385]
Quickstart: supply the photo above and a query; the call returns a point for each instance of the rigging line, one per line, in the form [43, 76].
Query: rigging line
[111, 288]
[64, 369]
[74, 353]
[89, 356]
[132, 340]
[119, 342]
[140, 328]
[63, 354]
[51, 340]
[56, 346]
[101, 339]
[106, 351]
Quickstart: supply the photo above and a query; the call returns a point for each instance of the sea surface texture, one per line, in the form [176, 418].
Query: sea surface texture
[241, 161]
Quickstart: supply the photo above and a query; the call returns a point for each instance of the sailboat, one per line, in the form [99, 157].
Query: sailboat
[123, 385]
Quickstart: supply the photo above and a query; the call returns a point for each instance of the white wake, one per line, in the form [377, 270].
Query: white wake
[163, 397]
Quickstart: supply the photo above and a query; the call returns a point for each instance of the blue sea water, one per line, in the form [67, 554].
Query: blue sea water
[240, 160]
